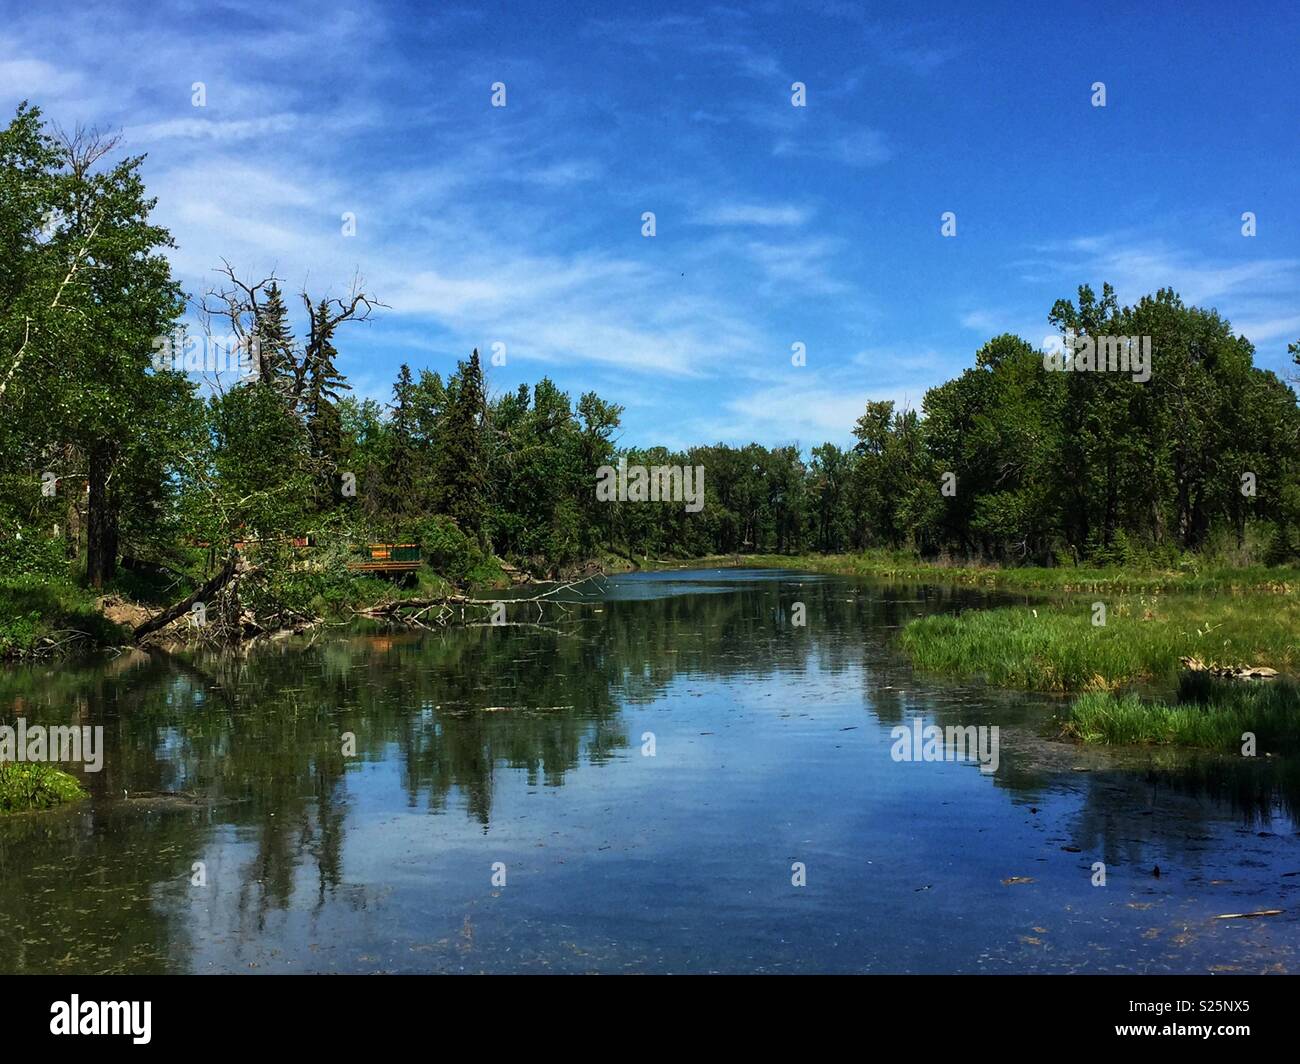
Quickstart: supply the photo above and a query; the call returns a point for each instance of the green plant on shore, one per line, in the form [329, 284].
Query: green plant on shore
[906, 567]
[25, 786]
[1216, 716]
[40, 615]
[1054, 646]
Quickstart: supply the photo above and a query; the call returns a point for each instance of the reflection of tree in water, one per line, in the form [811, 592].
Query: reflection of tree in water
[258, 738]
[1170, 804]
[1165, 801]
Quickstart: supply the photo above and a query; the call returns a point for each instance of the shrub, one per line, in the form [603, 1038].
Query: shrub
[35, 786]
[26, 550]
[447, 549]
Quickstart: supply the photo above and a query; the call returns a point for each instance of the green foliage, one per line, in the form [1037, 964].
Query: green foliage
[25, 786]
[29, 550]
[447, 549]
[39, 613]
[1216, 721]
[1056, 647]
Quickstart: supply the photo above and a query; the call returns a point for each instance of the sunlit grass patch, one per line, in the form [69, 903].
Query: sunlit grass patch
[1054, 646]
[28, 785]
[905, 567]
[1230, 710]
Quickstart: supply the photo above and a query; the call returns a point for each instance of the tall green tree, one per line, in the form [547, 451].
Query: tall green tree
[460, 451]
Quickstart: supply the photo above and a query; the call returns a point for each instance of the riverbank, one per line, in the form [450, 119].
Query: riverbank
[1251, 718]
[1081, 644]
[52, 616]
[905, 568]
[43, 617]
[1100, 632]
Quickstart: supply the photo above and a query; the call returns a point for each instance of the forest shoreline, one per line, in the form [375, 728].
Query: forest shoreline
[1158, 624]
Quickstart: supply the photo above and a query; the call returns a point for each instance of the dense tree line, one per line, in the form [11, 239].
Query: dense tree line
[107, 454]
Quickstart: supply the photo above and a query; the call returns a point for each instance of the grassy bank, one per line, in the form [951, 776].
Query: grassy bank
[39, 615]
[1054, 646]
[907, 568]
[25, 786]
[1214, 718]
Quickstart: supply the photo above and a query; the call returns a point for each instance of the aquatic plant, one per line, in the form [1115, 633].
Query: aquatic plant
[34, 785]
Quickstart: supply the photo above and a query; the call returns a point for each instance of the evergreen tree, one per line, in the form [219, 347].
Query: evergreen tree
[274, 340]
[398, 499]
[460, 466]
[324, 383]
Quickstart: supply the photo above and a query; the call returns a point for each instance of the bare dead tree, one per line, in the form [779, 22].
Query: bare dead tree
[238, 306]
[235, 307]
[324, 317]
[84, 147]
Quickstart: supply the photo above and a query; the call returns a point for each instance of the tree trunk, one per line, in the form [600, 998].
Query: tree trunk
[72, 528]
[101, 520]
[72, 508]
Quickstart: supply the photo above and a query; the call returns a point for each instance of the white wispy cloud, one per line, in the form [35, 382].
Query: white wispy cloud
[754, 214]
[856, 147]
[1257, 295]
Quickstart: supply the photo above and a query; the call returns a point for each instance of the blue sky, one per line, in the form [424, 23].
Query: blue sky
[775, 224]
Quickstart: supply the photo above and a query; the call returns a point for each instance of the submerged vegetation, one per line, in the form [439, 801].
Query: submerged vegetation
[37, 785]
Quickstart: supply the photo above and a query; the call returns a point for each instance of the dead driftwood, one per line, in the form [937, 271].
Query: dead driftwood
[179, 609]
[223, 617]
[1229, 672]
[455, 609]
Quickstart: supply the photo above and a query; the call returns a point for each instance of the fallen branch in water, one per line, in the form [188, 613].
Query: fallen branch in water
[415, 611]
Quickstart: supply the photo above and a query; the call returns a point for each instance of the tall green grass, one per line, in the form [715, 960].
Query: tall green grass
[1054, 646]
[905, 567]
[1215, 718]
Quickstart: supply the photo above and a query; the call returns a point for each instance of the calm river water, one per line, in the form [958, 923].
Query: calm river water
[633, 788]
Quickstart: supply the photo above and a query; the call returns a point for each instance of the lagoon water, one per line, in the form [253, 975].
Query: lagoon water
[227, 831]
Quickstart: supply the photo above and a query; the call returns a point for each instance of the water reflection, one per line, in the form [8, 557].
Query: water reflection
[526, 745]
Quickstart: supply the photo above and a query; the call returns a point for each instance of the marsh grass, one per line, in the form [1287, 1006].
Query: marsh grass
[1054, 646]
[1209, 714]
[903, 567]
[28, 785]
